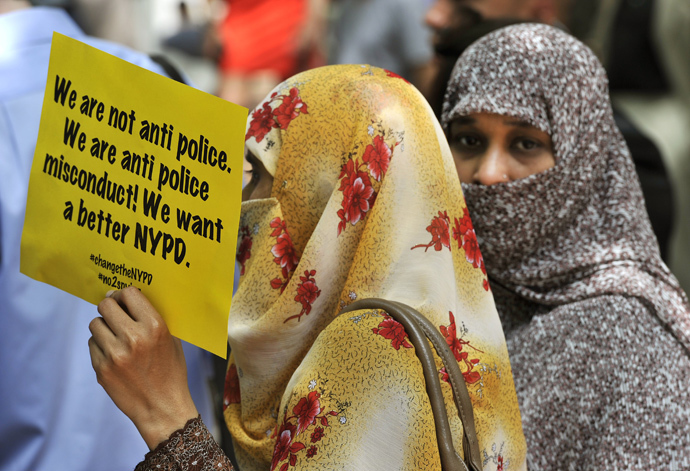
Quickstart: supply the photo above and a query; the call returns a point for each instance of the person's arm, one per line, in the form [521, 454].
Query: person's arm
[142, 368]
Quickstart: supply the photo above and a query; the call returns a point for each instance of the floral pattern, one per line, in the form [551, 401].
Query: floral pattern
[290, 107]
[377, 156]
[317, 434]
[391, 329]
[355, 182]
[231, 392]
[358, 194]
[394, 75]
[440, 233]
[305, 414]
[266, 118]
[285, 449]
[244, 252]
[456, 345]
[463, 233]
[497, 458]
[261, 124]
[283, 252]
[307, 292]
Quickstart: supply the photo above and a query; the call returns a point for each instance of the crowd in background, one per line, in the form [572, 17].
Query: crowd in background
[240, 49]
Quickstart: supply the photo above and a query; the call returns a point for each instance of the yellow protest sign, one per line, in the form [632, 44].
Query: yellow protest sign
[136, 180]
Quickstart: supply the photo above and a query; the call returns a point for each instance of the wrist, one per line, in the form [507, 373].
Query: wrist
[158, 426]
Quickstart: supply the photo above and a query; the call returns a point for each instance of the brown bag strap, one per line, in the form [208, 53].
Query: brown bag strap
[419, 329]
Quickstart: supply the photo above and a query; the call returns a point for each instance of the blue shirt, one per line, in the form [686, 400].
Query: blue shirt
[53, 414]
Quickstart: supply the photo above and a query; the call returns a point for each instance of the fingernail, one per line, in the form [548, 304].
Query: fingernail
[109, 293]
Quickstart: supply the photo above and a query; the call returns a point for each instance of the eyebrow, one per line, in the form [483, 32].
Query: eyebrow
[522, 124]
[464, 120]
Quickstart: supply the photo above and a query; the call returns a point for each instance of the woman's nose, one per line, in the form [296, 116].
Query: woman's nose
[493, 168]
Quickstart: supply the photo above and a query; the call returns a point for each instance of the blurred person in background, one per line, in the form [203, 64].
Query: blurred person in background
[384, 33]
[266, 41]
[52, 415]
[645, 47]
[458, 23]
[455, 24]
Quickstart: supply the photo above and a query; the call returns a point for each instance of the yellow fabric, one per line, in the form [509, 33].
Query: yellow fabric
[306, 388]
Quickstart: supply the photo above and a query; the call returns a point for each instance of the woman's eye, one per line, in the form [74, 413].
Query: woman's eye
[252, 170]
[468, 141]
[526, 144]
[254, 176]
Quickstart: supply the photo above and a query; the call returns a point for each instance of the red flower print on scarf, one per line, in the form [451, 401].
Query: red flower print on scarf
[244, 252]
[394, 75]
[497, 458]
[307, 292]
[281, 283]
[261, 124]
[472, 253]
[358, 194]
[463, 233]
[284, 448]
[391, 329]
[265, 118]
[231, 392]
[462, 227]
[471, 377]
[317, 434]
[440, 233]
[355, 183]
[306, 414]
[456, 345]
[377, 156]
[283, 252]
[357, 199]
[279, 226]
[291, 107]
[306, 411]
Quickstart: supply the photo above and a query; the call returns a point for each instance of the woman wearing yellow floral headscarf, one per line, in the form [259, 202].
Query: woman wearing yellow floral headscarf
[364, 202]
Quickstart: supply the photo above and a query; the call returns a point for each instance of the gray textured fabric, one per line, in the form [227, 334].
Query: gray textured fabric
[597, 327]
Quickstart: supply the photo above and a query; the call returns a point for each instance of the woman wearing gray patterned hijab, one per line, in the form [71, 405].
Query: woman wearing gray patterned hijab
[597, 327]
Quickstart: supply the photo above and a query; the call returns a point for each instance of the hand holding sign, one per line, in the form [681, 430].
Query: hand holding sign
[140, 365]
[136, 181]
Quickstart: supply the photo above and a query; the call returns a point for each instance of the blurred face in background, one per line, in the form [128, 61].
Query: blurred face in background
[491, 148]
[446, 17]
